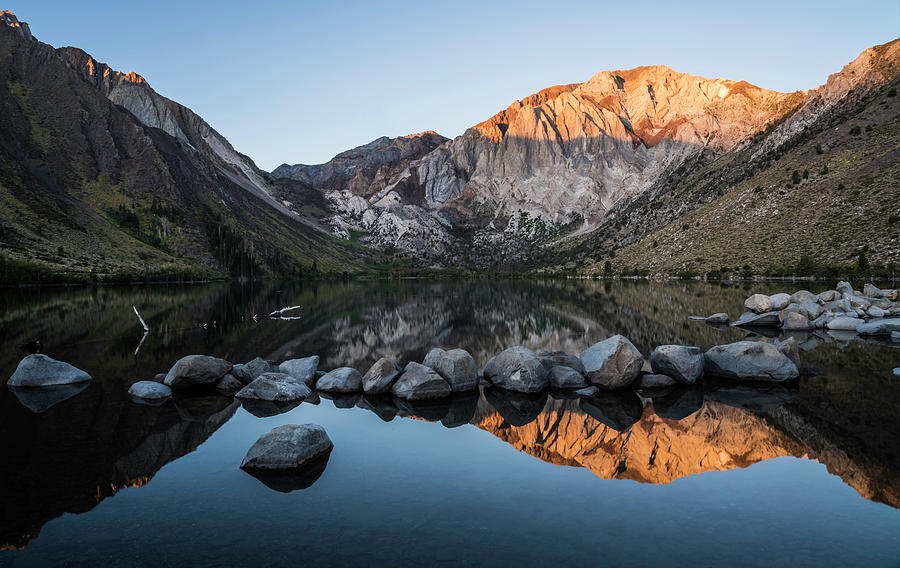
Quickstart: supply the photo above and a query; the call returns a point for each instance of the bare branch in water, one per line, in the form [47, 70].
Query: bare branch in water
[143, 323]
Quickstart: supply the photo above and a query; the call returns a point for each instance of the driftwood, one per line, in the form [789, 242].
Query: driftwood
[278, 314]
[143, 323]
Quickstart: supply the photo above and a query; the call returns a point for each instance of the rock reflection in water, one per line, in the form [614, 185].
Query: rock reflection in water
[41, 399]
[293, 480]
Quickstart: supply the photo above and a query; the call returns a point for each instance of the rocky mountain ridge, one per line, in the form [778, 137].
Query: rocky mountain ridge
[572, 159]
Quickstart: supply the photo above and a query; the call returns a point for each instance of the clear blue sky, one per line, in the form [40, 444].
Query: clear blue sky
[300, 81]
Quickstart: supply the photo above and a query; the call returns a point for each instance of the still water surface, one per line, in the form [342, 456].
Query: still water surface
[805, 475]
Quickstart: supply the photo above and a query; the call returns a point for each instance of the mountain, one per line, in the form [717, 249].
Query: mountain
[103, 178]
[564, 177]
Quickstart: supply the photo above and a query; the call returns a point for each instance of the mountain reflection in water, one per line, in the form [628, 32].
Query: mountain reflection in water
[844, 418]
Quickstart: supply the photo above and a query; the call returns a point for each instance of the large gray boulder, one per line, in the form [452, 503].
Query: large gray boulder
[456, 366]
[38, 370]
[613, 363]
[758, 304]
[419, 382]
[196, 371]
[517, 369]
[287, 447]
[828, 295]
[258, 366]
[550, 359]
[149, 390]
[380, 376]
[844, 288]
[795, 321]
[303, 370]
[749, 319]
[274, 387]
[879, 327]
[342, 379]
[843, 323]
[750, 360]
[779, 301]
[682, 363]
[871, 291]
[803, 296]
[567, 378]
[653, 380]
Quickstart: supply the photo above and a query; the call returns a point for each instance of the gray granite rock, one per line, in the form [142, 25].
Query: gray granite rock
[287, 447]
[750, 360]
[342, 379]
[38, 370]
[684, 364]
[149, 390]
[274, 387]
[196, 371]
[419, 382]
[566, 378]
[517, 369]
[304, 369]
[380, 376]
[653, 380]
[613, 363]
[456, 366]
[879, 327]
[550, 359]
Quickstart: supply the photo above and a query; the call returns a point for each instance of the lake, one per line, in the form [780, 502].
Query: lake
[721, 474]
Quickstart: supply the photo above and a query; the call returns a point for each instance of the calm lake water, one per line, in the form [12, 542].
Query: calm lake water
[718, 475]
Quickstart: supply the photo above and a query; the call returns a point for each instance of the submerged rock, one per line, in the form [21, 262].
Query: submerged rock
[274, 387]
[517, 369]
[303, 370]
[613, 363]
[195, 371]
[380, 376]
[749, 319]
[879, 327]
[750, 360]
[38, 370]
[456, 366]
[287, 447]
[682, 363]
[149, 390]
[342, 379]
[419, 382]
[717, 319]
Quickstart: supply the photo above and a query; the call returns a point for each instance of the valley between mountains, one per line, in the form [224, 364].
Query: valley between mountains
[647, 171]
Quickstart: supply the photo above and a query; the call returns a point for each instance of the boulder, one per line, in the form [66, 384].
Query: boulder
[159, 378]
[811, 309]
[149, 390]
[719, 318]
[795, 321]
[258, 366]
[844, 288]
[879, 327]
[749, 319]
[456, 366]
[342, 379]
[419, 382]
[892, 295]
[801, 296]
[38, 370]
[828, 296]
[779, 301]
[552, 359]
[653, 380]
[566, 378]
[274, 387]
[517, 369]
[196, 371]
[875, 312]
[758, 304]
[822, 321]
[287, 447]
[229, 384]
[844, 323]
[304, 369]
[858, 302]
[871, 291]
[241, 374]
[380, 376]
[750, 360]
[838, 306]
[790, 348]
[683, 364]
[613, 363]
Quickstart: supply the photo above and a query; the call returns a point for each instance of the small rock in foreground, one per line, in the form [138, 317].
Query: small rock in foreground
[287, 447]
[38, 370]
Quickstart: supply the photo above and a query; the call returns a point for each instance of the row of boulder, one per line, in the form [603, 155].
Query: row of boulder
[871, 311]
[612, 364]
